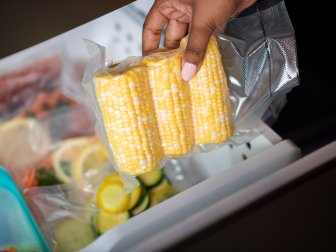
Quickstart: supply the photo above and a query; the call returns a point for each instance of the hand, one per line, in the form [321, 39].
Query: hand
[200, 17]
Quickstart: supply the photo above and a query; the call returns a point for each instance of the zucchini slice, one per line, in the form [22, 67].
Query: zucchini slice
[73, 235]
[144, 204]
[110, 197]
[162, 192]
[135, 196]
[152, 179]
[142, 196]
[105, 221]
[162, 186]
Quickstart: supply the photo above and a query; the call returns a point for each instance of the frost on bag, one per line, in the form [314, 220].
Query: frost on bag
[147, 113]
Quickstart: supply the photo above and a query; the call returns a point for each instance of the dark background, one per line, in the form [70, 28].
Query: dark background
[309, 118]
[301, 217]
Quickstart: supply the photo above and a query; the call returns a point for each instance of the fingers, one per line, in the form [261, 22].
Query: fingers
[203, 19]
[152, 29]
[199, 36]
[206, 18]
[175, 32]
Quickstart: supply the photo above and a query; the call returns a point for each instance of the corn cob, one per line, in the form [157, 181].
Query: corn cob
[129, 119]
[152, 112]
[171, 97]
[209, 99]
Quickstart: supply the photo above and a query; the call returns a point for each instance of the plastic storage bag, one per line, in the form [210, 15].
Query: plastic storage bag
[259, 55]
[64, 216]
[71, 218]
[40, 104]
[20, 84]
[149, 114]
[79, 159]
[259, 58]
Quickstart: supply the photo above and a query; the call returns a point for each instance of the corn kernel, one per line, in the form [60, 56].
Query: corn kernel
[129, 119]
[171, 96]
[210, 100]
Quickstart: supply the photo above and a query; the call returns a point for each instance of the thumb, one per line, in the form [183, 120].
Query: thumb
[199, 37]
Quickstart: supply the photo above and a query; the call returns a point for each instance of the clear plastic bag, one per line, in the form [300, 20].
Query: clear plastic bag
[80, 160]
[41, 104]
[20, 85]
[71, 217]
[259, 57]
[64, 215]
[173, 118]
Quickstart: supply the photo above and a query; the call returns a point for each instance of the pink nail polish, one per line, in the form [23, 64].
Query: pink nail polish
[188, 71]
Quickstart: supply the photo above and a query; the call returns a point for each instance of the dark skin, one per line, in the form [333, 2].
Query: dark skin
[199, 18]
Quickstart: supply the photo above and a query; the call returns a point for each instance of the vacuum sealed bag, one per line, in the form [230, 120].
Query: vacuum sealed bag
[146, 114]
[64, 216]
[259, 56]
[71, 217]
[40, 105]
[149, 113]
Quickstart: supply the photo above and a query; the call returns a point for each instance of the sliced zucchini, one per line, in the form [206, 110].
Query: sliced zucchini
[159, 194]
[110, 197]
[113, 177]
[135, 196]
[162, 186]
[72, 235]
[141, 198]
[144, 204]
[154, 199]
[105, 221]
[152, 179]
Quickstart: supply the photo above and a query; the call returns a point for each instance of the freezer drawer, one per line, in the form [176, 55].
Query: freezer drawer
[142, 232]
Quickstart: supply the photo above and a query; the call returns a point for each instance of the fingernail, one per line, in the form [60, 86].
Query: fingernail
[188, 71]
